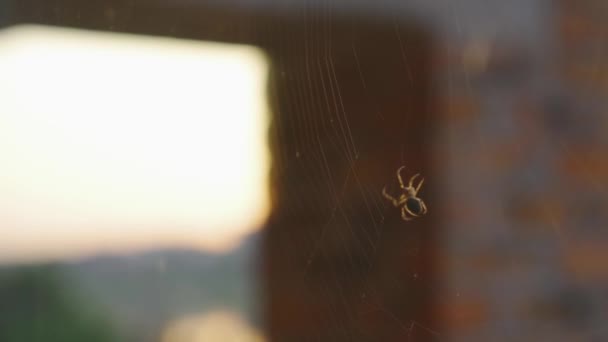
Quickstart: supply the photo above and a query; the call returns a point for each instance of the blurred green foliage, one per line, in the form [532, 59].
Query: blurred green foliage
[36, 305]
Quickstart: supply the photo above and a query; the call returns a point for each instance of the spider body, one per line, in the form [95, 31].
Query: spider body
[415, 206]
[411, 206]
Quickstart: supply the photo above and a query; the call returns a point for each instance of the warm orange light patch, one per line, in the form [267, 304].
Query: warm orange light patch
[214, 326]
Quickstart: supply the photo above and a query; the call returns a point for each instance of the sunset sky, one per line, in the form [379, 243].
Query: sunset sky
[118, 143]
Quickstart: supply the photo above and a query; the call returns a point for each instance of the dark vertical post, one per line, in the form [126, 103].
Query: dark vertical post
[351, 104]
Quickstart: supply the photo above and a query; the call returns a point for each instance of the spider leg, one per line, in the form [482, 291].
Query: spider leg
[399, 176]
[389, 197]
[424, 210]
[419, 185]
[412, 180]
[404, 214]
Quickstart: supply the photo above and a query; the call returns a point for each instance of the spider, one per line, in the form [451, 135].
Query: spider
[409, 203]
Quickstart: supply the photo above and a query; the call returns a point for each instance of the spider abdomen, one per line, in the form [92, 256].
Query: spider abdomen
[414, 205]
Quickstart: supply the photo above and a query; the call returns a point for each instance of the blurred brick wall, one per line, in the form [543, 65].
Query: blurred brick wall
[523, 149]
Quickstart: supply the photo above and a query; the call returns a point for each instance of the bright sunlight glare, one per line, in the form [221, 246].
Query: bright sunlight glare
[114, 143]
[218, 325]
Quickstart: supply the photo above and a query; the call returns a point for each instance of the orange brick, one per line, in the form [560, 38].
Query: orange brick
[545, 210]
[488, 263]
[574, 29]
[461, 108]
[501, 159]
[588, 164]
[578, 25]
[588, 75]
[465, 214]
[587, 260]
[461, 314]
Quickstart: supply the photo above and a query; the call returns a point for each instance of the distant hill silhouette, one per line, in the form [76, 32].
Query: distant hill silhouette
[138, 294]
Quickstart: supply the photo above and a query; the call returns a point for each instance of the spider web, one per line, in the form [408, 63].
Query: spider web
[335, 210]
